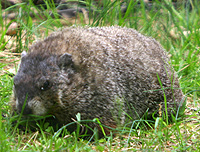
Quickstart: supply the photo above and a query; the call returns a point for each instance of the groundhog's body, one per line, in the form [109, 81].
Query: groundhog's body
[103, 73]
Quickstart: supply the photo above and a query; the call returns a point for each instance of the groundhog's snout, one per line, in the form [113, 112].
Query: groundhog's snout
[23, 108]
[33, 106]
[21, 96]
[26, 102]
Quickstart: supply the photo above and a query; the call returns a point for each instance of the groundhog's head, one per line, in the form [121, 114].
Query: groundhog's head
[39, 80]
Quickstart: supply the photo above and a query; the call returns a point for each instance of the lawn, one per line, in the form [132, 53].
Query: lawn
[175, 26]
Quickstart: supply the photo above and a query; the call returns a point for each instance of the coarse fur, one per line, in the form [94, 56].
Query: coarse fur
[107, 73]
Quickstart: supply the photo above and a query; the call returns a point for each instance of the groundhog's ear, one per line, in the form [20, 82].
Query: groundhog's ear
[23, 54]
[65, 60]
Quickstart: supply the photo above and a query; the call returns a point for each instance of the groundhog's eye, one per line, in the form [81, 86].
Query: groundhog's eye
[45, 86]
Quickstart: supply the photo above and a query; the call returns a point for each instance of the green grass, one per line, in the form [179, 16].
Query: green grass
[164, 23]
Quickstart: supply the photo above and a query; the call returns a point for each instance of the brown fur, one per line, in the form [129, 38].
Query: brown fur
[107, 73]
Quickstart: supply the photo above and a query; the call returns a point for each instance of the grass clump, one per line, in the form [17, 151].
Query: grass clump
[175, 27]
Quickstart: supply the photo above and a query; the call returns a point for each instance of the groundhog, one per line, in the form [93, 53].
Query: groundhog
[113, 73]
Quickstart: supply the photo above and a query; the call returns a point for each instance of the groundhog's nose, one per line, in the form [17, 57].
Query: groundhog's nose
[25, 111]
